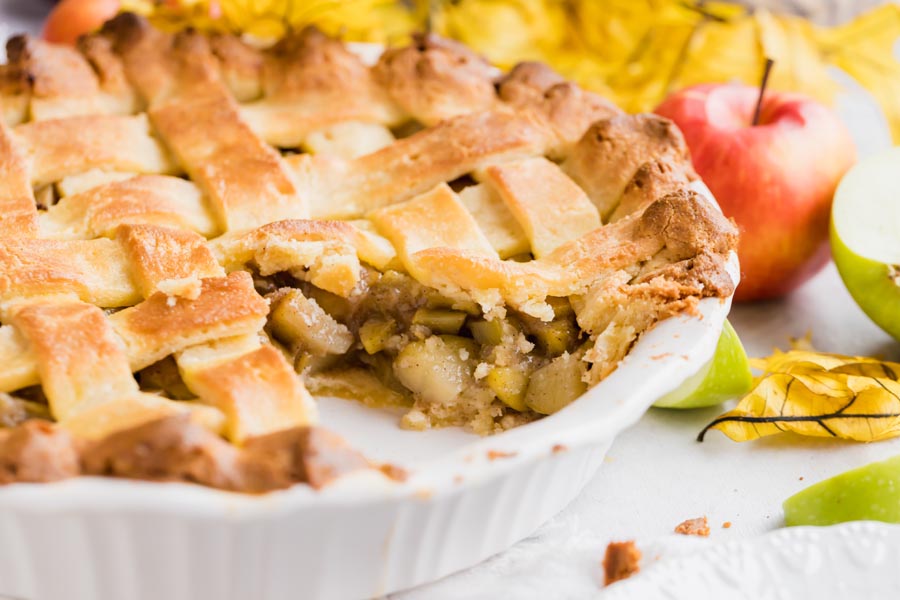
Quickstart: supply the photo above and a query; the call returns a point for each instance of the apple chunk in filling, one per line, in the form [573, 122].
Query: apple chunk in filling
[396, 342]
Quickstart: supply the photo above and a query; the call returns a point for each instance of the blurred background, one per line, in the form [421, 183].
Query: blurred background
[635, 52]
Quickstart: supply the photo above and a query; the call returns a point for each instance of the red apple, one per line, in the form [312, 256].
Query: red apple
[776, 179]
[73, 18]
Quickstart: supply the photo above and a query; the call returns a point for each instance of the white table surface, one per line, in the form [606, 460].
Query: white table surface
[656, 474]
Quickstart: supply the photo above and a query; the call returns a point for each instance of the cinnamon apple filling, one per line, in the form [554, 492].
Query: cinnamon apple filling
[395, 342]
[399, 342]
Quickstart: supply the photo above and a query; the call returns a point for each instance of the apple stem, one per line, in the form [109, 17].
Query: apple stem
[762, 90]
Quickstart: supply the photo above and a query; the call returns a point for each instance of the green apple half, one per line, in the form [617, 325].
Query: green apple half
[726, 375]
[865, 237]
[869, 493]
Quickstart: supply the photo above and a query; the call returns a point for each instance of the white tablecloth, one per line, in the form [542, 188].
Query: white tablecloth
[656, 474]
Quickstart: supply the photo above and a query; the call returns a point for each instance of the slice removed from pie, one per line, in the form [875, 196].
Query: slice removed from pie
[197, 235]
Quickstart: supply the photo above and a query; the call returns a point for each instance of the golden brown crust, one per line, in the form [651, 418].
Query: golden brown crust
[308, 61]
[259, 392]
[549, 206]
[679, 226]
[110, 71]
[80, 360]
[139, 200]
[245, 180]
[61, 81]
[145, 53]
[15, 96]
[651, 181]
[310, 82]
[435, 79]
[160, 325]
[95, 271]
[50, 69]
[606, 158]
[109, 273]
[62, 147]
[563, 106]
[416, 164]
[527, 82]
[158, 254]
[687, 225]
[241, 66]
[412, 228]
[704, 275]
[18, 211]
[292, 244]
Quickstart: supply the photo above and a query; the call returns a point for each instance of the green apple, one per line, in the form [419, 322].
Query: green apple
[869, 493]
[865, 237]
[726, 375]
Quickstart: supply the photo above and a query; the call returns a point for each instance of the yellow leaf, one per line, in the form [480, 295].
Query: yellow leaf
[509, 31]
[636, 52]
[820, 395]
[791, 43]
[382, 21]
[864, 49]
[735, 44]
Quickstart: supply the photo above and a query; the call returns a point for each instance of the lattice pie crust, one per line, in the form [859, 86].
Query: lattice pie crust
[194, 232]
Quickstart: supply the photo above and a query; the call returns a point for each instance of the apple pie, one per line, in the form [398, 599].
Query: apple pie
[198, 234]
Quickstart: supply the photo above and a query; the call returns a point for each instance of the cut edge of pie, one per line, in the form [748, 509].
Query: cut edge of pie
[196, 233]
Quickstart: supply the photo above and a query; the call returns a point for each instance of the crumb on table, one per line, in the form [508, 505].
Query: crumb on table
[726, 525]
[698, 526]
[394, 472]
[622, 560]
[495, 454]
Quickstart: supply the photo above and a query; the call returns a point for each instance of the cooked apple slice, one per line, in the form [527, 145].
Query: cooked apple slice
[869, 493]
[725, 376]
[865, 237]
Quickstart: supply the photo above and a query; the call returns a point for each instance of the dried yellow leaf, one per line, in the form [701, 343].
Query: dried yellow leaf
[636, 52]
[820, 395]
[511, 30]
[864, 49]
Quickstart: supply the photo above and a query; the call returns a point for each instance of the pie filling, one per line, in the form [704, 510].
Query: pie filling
[196, 234]
[399, 342]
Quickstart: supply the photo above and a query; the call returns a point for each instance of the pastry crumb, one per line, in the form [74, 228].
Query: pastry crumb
[698, 526]
[482, 370]
[621, 561]
[557, 448]
[726, 525]
[188, 288]
[495, 454]
[394, 472]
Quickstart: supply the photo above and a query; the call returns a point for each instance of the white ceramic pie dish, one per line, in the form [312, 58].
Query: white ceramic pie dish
[466, 498]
